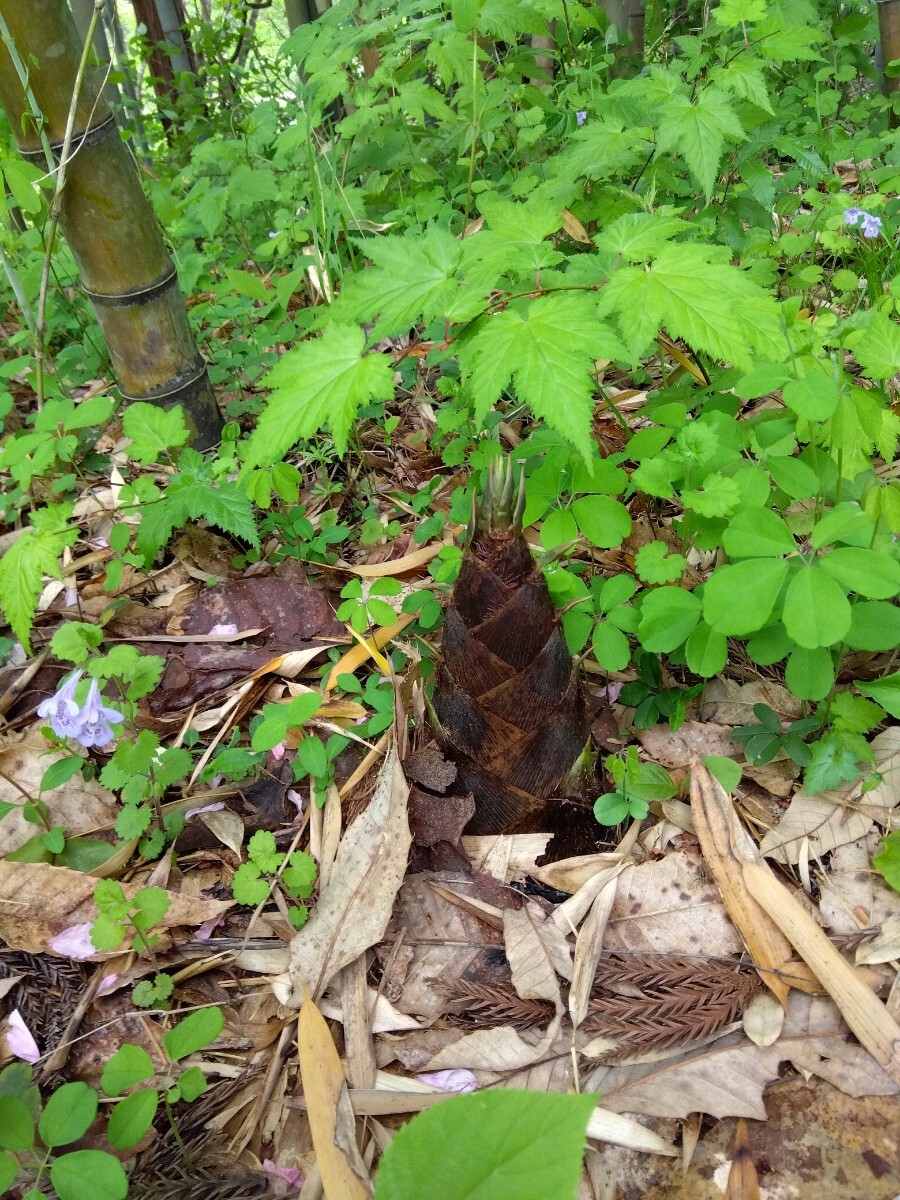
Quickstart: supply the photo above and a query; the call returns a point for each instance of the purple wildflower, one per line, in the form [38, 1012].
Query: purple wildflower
[581, 116]
[64, 713]
[96, 718]
[871, 225]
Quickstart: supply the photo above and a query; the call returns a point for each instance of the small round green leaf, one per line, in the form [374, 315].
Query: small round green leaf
[739, 599]
[131, 1118]
[706, 651]
[809, 674]
[815, 398]
[605, 522]
[618, 589]
[668, 617]
[611, 648]
[770, 645]
[875, 625]
[191, 1084]
[794, 477]
[526, 1145]
[197, 1030]
[726, 770]
[68, 1114]
[558, 529]
[104, 1175]
[16, 1124]
[757, 533]
[129, 1066]
[816, 610]
[864, 571]
[9, 1169]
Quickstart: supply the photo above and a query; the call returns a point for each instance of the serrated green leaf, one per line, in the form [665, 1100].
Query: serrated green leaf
[27, 561]
[224, 505]
[654, 565]
[885, 692]
[547, 349]
[697, 129]
[638, 236]
[695, 292]
[876, 347]
[318, 385]
[153, 430]
[412, 277]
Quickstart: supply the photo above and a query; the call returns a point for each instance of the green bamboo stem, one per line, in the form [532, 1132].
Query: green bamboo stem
[104, 215]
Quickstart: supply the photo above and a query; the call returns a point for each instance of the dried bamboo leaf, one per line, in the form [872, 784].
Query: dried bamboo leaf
[329, 1113]
[536, 951]
[726, 846]
[587, 950]
[354, 911]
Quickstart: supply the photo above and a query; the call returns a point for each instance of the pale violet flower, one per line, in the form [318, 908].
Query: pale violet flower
[62, 709]
[207, 808]
[19, 1039]
[871, 225]
[581, 116]
[227, 630]
[107, 983]
[96, 718]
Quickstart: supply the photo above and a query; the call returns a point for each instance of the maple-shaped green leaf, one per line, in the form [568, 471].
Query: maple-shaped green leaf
[513, 241]
[731, 13]
[318, 385]
[547, 349]
[638, 236]
[697, 294]
[697, 130]
[412, 277]
[153, 430]
[744, 77]
[876, 347]
[601, 148]
[27, 561]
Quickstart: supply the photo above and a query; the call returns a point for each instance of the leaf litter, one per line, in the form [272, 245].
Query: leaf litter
[676, 976]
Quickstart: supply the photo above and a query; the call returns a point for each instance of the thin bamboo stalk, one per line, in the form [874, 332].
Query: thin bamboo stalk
[105, 217]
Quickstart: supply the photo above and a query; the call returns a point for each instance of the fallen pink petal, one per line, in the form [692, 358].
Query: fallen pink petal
[206, 808]
[450, 1081]
[19, 1039]
[74, 942]
[291, 1175]
[207, 929]
[107, 984]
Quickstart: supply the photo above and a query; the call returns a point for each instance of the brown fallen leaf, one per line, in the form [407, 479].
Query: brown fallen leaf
[726, 847]
[727, 1077]
[39, 901]
[329, 1112]
[77, 805]
[353, 912]
[537, 952]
